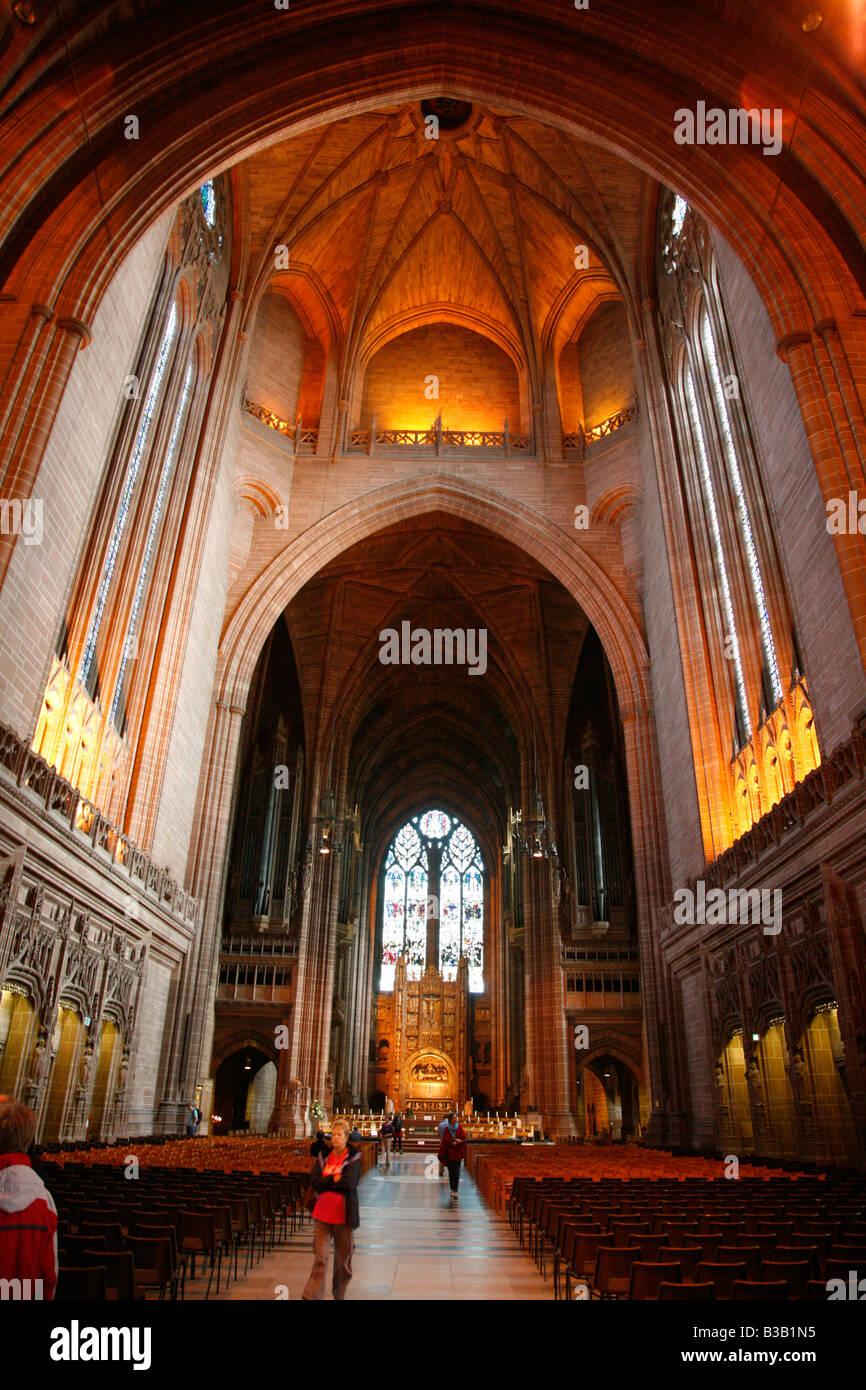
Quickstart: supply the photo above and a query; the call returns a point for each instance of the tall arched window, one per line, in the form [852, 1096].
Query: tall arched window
[715, 428]
[712, 517]
[118, 702]
[724, 426]
[459, 893]
[109, 665]
[734, 614]
[148, 414]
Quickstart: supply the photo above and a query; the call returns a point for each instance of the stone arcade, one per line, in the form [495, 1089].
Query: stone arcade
[216, 885]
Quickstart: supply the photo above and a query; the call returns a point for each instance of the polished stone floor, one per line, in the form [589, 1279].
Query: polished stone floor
[413, 1243]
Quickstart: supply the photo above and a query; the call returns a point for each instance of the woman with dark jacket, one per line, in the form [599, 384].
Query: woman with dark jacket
[319, 1145]
[335, 1180]
[452, 1150]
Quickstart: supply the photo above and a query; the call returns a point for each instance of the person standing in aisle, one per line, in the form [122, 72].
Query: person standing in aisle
[335, 1179]
[440, 1129]
[452, 1151]
[386, 1134]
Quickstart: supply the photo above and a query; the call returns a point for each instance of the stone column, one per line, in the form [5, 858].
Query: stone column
[848, 963]
[23, 371]
[434, 863]
[25, 454]
[192, 1039]
[664, 1046]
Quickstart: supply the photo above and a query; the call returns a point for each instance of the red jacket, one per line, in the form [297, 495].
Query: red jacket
[453, 1147]
[28, 1227]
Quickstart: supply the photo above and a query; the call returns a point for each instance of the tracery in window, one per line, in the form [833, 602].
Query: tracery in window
[712, 516]
[460, 898]
[153, 530]
[461, 907]
[723, 416]
[404, 915]
[761, 752]
[208, 202]
[123, 510]
[672, 243]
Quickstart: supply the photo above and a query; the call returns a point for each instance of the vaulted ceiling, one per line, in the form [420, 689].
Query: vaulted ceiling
[386, 228]
[436, 731]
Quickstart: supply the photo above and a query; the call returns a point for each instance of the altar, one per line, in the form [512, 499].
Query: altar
[430, 1112]
[422, 1044]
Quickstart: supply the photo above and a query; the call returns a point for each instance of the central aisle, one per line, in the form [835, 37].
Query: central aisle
[413, 1243]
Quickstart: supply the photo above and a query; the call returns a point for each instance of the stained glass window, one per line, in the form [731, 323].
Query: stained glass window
[434, 824]
[671, 244]
[208, 202]
[718, 550]
[460, 895]
[123, 510]
[708, 343]
[162, 491]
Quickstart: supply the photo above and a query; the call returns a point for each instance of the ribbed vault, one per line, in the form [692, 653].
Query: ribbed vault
[406, 731]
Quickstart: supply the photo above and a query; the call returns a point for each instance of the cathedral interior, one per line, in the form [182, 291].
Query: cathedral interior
[432, 617]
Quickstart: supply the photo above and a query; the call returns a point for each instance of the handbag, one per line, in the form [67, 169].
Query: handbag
[310, 1198]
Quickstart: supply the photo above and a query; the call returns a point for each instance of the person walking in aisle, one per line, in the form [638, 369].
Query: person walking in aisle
[335, 1179]
[398, 1133]
[386, 1134]
[440, 1129]
[452, 1151]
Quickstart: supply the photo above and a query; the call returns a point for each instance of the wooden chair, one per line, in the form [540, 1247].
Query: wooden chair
[111, 1232]
[809, 1253]
[722, 1276]
[743, 1290]
[582, 1263]
[197, 1236]
[795, 1274]
[686, 1256]
[152, 1264]
[750, 1255]
[687, 1293]
[645, 1278]
[613, 1269]
[80, 1284]
[119, 1267]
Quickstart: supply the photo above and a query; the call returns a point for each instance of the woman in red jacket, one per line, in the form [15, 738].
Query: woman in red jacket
[28, 1216]
[335, 1181]
[452, 1150]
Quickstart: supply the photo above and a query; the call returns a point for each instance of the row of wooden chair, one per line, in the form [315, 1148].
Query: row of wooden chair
[171, 1224]
[623, 1272]
[810, 1233]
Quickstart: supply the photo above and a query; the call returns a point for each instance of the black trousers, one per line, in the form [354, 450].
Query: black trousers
[454, 1174]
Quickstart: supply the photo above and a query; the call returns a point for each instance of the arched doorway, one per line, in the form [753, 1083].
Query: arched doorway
[17, 1024]
[110, 1048]
[824, 1056]
[608, 1099]
[244, 1090]
[777, 1085]
[66, 1045]
[735, 1126]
